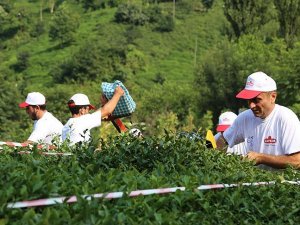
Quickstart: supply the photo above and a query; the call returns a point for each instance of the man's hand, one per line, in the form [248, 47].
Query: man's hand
[254, 156]
[119, 91]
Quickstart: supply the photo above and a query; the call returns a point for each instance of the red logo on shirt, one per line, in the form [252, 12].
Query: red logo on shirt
[270, 140]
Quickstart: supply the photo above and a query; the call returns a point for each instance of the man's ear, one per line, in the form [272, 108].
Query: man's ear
[273, 96]
[80, 111]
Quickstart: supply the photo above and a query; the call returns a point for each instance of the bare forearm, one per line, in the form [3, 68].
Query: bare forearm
[109, 107]
[276, 161]
[221, 142]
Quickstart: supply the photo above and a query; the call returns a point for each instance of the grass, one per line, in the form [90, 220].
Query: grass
[171, 54]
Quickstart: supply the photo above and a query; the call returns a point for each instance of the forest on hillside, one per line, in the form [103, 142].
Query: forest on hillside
[183, 61]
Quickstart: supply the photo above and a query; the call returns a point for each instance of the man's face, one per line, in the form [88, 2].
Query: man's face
[32, 112]
[263, 104]
[84, 110]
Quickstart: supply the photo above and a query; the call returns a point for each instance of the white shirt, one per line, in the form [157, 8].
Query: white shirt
[238, 149]
[46, 129]
[78, 129]
[277, 134]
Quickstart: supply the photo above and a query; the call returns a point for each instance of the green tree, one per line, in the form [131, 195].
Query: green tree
[131, 14]
[22, 61]
[224, 69]
[3, 18]
[287, 74]
[208, 3]
[14, 121]
[166, 24]
[167, 121]
[92, 61]
[135, 59]
[63, 26]
[289, 19]
[9, 24]
[248, 16]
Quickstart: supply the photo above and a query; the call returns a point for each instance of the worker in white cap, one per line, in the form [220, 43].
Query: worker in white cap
[226, 119]
[78, 127]
[271, 132]
[46, 129]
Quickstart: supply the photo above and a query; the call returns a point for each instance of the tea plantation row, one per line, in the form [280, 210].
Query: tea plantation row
[127, 164]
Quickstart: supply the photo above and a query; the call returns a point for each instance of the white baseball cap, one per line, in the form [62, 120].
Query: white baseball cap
[135, 132]
[80, 99]
[257, 83]
[33, 98]
[225, 121]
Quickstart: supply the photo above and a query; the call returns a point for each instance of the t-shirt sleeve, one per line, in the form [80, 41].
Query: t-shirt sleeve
[290, 134]
[92, 120]
[39, 133]
[234, 135]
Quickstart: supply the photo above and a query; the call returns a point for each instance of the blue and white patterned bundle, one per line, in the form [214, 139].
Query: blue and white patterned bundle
[126, 105]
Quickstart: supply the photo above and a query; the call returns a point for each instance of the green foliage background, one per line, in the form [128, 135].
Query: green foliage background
[185, 60]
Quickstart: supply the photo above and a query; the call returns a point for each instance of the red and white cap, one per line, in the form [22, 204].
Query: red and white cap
[225, 121]
[33, 98]
[135, 132]
[81, 99]
[257, 83]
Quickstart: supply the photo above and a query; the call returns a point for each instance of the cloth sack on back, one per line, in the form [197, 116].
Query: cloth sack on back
[126, 105]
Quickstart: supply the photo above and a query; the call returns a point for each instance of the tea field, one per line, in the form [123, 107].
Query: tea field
[125, 164]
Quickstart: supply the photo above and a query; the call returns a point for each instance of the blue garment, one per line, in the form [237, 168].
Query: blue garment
[126, 105]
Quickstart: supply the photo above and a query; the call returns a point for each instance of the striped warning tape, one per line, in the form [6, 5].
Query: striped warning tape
[43, 153]
[48, 147]
[13, 144]
[47, 153]
[17, 144]
[216, 186]
[112, 195]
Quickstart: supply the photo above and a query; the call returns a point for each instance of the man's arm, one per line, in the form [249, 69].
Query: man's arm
[276, 161]
[110, 106]
[221, 142]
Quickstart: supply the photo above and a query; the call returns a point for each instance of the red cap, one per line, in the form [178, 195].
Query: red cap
[248, 94]
[33, 98]
[221, 128]
[257, 83]
[225, 121]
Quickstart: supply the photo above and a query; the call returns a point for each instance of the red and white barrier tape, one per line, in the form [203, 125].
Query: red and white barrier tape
[13, 144]
[47, 153]
[112, 195]
[17, 144]
[216, 186]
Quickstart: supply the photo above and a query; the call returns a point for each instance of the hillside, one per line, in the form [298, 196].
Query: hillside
[171, 53]
[149, 61]
[183, 65]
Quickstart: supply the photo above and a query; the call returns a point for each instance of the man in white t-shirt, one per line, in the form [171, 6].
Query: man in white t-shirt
[226, 119]
[46, 129]
[77, 129]
[271, 132]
